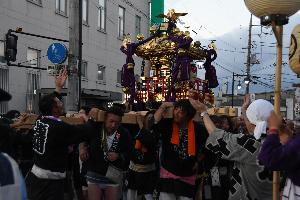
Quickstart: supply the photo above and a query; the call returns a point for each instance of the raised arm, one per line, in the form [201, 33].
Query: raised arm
[161, 110]
[60, 80]
[235, 147]
[275, 155]
[202, 109]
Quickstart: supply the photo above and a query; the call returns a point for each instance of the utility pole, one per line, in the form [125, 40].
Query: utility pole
[74, 60]
[232, 89]
[249, 55]
[80, 55]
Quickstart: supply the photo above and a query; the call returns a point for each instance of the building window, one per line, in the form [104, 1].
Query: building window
[121, 22]
[101, 73]
[119, 76]
[33, 79]
[84, 69]
[101, 14]
[4, 83]
[37, 2]
[137, 25]
[85, 11]
[150, 17]
[61, 6]
[33, 84]
[2, 54]
[33, 57]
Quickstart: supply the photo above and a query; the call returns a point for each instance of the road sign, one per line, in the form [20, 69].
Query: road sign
[57, 53]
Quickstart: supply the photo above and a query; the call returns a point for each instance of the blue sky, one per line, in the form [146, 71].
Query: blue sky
[219, 16]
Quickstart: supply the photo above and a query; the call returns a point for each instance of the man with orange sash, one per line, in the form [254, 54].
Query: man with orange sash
[183, 140]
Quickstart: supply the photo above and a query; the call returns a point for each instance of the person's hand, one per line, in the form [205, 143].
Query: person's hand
[21, 120]
[83, 153]
[246, 102]
[274, 121]
[93, 114]
[60, 79]
[197, 105]
[82, 116]
[166, 105]
[285, 134]
[193, 94]
[112, 156]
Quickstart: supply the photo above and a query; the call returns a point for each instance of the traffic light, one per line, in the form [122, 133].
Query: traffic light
[11, 47]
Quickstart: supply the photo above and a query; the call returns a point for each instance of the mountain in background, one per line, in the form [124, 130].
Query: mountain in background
[232, 56]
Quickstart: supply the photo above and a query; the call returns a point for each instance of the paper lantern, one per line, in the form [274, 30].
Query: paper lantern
[273, 10]
[294, 54]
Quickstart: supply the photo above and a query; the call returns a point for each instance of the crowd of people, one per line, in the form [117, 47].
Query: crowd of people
[190, 156]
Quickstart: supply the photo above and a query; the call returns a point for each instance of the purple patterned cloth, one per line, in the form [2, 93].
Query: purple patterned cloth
[127, 76]
[182, 64]
[129, 51]
[210, 73]
[276, 156]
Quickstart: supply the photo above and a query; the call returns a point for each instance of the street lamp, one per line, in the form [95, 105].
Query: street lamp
[275, 13]
[239, 86]
[247, 80]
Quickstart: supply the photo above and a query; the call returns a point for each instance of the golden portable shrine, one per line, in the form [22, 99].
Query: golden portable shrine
[172, 57]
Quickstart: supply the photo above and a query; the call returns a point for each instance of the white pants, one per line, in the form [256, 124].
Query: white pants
[291, 191]
[132, 195]
[171, 196]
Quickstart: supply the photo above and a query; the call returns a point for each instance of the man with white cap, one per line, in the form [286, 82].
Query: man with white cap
[258, 113]
[249, 180]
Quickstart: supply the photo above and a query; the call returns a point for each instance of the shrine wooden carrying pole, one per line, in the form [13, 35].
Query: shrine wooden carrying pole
[278, 32]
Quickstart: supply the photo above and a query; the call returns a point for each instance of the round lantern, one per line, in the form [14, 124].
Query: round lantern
[294, 54]
[273, 10]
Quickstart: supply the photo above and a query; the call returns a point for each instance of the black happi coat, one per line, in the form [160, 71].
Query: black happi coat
[175, 158]
[147, 155]
[51, 140]
[122, 144]
[148, 140]
[170, 157]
